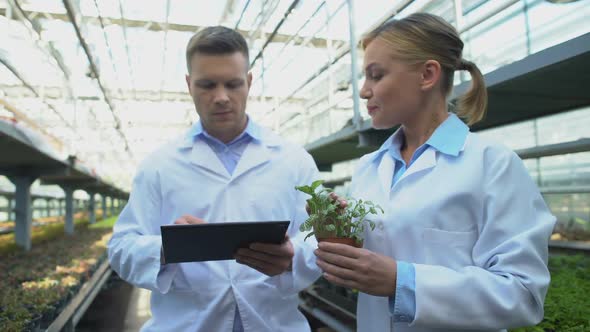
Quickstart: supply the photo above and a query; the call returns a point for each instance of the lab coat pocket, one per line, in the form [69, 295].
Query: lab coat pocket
[448, 248]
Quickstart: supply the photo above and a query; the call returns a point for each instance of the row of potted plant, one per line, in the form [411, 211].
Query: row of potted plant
[41, 221]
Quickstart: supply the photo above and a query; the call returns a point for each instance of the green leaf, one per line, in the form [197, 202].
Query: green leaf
[316, 184]
[306, 226]
[305, 189]
[326, 215]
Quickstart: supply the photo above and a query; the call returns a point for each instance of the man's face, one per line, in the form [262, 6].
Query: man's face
[219, 85]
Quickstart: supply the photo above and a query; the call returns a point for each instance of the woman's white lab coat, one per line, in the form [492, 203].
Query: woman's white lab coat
[476, 229]
[188, 178]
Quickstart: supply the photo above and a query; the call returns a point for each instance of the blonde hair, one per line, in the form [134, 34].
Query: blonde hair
[421, 37]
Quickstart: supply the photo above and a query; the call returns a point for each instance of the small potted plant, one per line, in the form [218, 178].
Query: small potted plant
[333, 220]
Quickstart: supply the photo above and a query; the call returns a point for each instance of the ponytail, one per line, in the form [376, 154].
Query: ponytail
[472, 105]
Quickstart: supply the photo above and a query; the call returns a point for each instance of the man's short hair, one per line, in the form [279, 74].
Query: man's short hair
[216, 40]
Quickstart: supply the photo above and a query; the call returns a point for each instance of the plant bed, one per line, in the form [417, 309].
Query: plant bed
[40, 234]
[567, 306]
[44, 221]
[38, 284]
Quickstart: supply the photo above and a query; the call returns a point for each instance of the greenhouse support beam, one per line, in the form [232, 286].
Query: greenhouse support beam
[23, 212]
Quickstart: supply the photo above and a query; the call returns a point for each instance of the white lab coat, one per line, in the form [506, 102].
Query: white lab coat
[188, 178]
[476, 229]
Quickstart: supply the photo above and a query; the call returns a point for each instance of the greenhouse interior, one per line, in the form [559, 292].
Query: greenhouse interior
[94, 92]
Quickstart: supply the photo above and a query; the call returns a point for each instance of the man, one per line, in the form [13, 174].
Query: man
[226, 168]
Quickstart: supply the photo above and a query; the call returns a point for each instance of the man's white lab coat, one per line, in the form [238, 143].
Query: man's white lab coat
[186, 177]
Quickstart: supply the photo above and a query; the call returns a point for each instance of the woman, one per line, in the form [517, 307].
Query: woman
[463, 241]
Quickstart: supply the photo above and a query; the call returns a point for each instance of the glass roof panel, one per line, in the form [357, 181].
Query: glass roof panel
[141, 64]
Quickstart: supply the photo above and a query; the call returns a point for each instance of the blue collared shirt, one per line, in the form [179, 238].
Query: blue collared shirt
[228, 153]
[448, 138]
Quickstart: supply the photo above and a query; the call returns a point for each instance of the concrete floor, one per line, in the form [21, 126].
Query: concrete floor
[121, 307]
[118, 308]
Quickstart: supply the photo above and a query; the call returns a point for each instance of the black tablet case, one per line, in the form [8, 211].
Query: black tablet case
[217, 241]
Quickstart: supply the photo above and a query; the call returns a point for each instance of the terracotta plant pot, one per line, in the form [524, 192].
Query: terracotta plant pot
[324, 234]
[343, 240]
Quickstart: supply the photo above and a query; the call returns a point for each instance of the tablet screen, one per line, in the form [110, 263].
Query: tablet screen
[217, 241]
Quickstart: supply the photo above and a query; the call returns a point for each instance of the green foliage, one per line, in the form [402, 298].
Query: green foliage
[567, 306]
[107, 223]
[37, 284]
[39, 234]
[328, 219]
[44, 233]
[581, 223]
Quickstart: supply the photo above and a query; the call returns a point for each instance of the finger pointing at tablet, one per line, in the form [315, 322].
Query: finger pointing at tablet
[188, 220]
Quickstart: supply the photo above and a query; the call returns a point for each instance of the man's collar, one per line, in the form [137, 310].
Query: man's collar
[252, 129]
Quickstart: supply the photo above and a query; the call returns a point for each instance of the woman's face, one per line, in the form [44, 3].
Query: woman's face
[392, 87]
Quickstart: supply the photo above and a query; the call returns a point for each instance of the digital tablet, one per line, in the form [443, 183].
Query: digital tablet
[217, 241]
